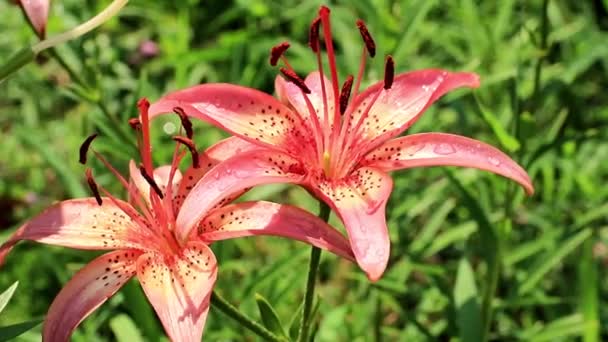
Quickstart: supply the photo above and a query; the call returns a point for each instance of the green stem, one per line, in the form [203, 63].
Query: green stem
[493, 274]
[315, 257]
[231, 311]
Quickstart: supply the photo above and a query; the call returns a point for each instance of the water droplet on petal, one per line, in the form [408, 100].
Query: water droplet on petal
[413, 149]
[362, 246]
[493, 161]
[241, 174]
[444, 149]
[373, 206]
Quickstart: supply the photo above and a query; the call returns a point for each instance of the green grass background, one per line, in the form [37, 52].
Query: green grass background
[470, 253]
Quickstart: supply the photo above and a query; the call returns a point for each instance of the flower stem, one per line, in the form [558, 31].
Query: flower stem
[81, 29]
[231, 311]
[315, 257]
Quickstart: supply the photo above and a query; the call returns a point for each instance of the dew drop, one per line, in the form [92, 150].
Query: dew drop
[362, 246]
[444, 149]
[372, 207]
[493, 161]
[413, 149]
[241, 174]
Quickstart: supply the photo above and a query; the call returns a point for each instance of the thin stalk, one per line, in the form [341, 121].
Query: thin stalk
[544, 34]
[81, 29]
[231, 311]
[315, 257]
[493, 274]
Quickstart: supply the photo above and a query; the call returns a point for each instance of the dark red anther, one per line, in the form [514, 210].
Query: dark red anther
[389, 72]
[135, 124]
[186, 123]
[370, 45]
[150, 181]
[93, 185]
[295, 79]
[345, 93]
[190, 144]
[313, 35]
[277, 51]
[85, 147]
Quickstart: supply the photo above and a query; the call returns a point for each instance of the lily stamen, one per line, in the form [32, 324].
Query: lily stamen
[190, 145]
[186, 123]
[93, 185]
[151, 182]
[85, 147]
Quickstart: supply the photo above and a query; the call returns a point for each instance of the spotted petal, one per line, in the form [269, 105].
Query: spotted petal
[266, 218]
[360, 202]
[398, 108]
[232, 177]
[179, 289]
[290, 93]
[86, 291]
[215, 154]
[244, 112]
[82, 224]
[433, 149]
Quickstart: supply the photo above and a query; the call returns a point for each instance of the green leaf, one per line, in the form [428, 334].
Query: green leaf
[7, 295]
[505, 139]
[294, 324]
[124, 329]
[468, 313]
[16, 62]
[9, 332]
[270, 319]
[551, 260]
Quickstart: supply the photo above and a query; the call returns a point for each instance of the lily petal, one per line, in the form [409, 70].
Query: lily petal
[86, 291]
[360, 202]
[399, 107]
[267, 218]
[435, 149]
[215, 154]
[292, 94]
[244, 112]
[37, 12]
[179, 289]
[232, 177]
[81, 224]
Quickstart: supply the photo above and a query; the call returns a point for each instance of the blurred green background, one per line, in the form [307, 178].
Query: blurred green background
[464, 241]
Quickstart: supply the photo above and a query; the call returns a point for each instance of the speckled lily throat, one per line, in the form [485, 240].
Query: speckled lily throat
[336, 141]
[177, 274]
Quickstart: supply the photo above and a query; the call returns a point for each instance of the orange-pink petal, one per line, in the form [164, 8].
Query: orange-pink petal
[399, 107]
[215, 154]
[293, 95]
[86, 291]
[179, 288]
[248, 113]
[231, 177]
[82, 224]
[437, 149]
[267, 218]
[360, 202]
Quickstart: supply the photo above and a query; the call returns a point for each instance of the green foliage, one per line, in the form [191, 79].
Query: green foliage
[471, 256]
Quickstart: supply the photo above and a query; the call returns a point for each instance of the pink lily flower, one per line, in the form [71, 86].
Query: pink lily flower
[339, 150]
[37, 12]
[177, 276]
